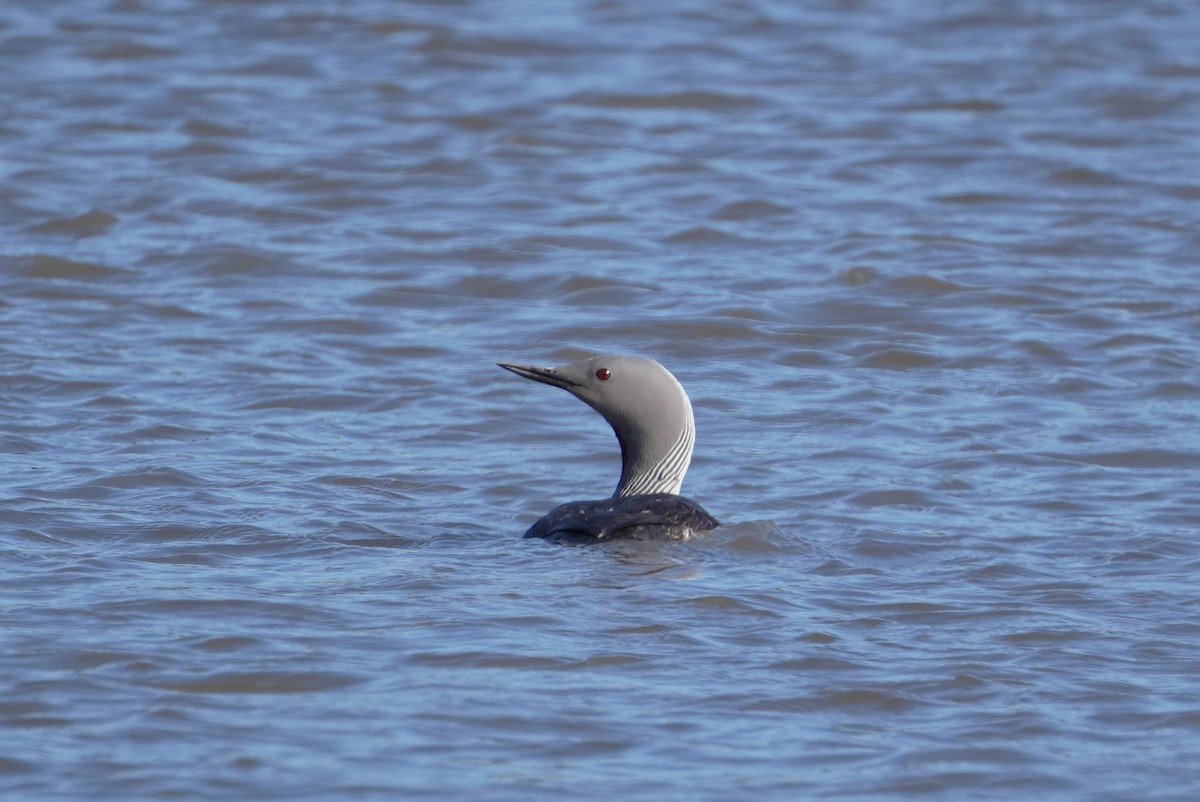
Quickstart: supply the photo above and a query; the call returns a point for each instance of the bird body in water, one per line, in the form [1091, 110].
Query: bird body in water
[652, 418]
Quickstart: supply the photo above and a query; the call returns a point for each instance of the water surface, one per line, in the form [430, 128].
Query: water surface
[928, 274]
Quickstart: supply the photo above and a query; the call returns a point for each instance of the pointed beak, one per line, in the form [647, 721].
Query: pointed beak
[550, 376]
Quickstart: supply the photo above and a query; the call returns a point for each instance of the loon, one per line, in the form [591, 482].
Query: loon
[652, 418]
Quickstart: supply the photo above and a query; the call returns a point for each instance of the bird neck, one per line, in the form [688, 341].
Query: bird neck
[655, 462]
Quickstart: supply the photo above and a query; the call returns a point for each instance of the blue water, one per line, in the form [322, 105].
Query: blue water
[927, 274]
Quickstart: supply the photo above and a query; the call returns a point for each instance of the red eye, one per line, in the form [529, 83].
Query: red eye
[604, 374]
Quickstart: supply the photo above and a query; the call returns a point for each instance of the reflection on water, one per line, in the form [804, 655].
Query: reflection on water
[925, 272]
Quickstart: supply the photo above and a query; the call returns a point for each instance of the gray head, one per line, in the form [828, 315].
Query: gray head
[646, 407]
